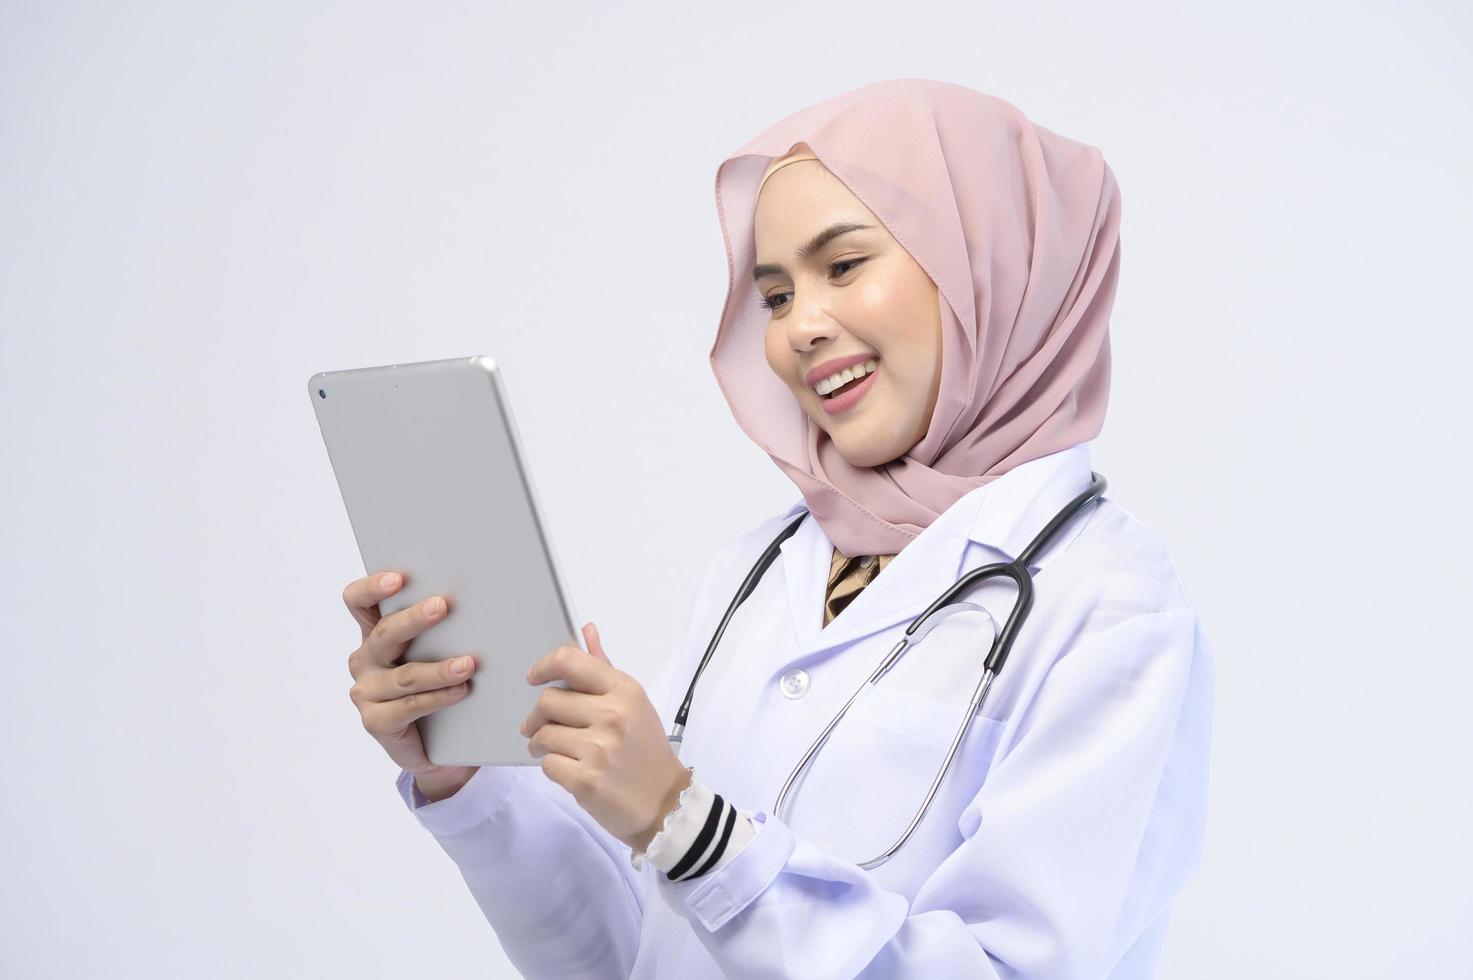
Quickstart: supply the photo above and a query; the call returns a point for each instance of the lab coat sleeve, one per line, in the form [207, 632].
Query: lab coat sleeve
[1071, 851]
[561, 892]
[553, 883]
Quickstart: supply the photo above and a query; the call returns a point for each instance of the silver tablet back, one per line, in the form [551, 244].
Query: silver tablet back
[436, 486]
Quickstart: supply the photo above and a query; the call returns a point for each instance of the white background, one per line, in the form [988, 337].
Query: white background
[203, 204]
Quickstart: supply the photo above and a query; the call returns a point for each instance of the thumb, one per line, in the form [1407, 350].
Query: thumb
[595, 645]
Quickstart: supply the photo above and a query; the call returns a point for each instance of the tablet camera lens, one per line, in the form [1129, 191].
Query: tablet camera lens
[322, 392]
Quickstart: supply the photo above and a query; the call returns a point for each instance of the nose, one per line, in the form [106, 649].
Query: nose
[809, 326]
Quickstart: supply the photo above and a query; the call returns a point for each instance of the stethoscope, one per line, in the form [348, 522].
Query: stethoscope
[1017, 570]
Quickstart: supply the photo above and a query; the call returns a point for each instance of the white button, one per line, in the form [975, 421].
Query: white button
[795, 683]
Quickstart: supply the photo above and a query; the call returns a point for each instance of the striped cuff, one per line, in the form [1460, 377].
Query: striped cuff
[702, 834]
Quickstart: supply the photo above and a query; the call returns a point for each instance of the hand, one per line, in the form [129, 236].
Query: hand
[603, 741]
[391, 698]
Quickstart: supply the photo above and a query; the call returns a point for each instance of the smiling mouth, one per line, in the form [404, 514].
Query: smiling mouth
[856, 372]
[845, 388]
[844, 398]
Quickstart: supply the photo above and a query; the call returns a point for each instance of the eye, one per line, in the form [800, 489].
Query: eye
[766, 301]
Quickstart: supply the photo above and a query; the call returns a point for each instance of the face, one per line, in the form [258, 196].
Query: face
[858, 297]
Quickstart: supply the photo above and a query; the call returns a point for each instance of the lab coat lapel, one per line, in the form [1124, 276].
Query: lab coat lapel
[916, 576]
[1004, 515]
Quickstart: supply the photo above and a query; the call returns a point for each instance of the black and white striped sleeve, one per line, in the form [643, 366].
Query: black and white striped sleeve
[702, 834]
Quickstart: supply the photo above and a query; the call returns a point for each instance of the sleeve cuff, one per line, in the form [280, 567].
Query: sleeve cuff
[703, 834]
[713, 900]
[477, 801]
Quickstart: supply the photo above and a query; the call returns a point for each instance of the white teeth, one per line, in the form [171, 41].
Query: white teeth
[845, 376]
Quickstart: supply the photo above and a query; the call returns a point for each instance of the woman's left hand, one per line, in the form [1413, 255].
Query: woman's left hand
[603, 741]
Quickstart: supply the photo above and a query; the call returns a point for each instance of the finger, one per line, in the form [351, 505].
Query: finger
[582, 672]
[559, 739]
[572, 708]
[392, 717]
[362, 597]
[386, 642]
[412, 678]
[565, 772]
[595, 644]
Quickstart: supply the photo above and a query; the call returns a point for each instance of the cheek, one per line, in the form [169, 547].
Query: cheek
[884, 299]
[908, 389]
[779, 357]
[909, 342]
[772, 349]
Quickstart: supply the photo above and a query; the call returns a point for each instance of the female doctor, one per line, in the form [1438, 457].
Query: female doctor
[916, 331]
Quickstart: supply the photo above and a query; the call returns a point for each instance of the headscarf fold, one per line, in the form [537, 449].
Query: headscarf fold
[1020, 230]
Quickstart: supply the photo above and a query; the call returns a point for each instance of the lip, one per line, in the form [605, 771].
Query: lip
[842, 403]
[836, 365]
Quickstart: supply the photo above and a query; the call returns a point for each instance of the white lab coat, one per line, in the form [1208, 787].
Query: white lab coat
[1072, 816]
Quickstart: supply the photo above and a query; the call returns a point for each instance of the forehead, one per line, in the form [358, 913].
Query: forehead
[802, 200]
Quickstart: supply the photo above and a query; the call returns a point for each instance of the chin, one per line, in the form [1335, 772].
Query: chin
[866, 457]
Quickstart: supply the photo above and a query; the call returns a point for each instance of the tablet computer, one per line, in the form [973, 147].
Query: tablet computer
[436, 485]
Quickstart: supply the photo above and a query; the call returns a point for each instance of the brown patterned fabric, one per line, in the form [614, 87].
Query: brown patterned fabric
[847, 578]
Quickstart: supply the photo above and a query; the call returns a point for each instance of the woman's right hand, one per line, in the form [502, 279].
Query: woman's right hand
[389, 697]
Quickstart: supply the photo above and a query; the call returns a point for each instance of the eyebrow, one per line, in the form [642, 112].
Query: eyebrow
[807, 251]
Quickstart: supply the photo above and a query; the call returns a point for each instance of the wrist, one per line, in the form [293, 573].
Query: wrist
[667, 806]
[443, 782]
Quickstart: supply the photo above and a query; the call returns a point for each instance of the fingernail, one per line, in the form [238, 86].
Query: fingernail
[462, 665]
[432, 606]
[389, 581]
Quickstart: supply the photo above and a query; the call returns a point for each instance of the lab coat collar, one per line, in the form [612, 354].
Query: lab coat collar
[1004, 516]
[1014, 511]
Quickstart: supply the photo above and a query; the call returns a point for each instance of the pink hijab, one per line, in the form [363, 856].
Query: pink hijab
[1020, 230]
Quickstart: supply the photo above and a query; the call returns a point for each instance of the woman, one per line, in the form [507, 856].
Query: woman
[916, 331]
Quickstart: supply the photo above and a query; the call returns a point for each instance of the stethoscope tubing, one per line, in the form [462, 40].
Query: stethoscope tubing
[1002, 644]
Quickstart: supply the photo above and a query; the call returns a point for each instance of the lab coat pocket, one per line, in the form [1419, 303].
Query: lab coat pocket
[862, 788]
[925, 719]
[913, 714]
